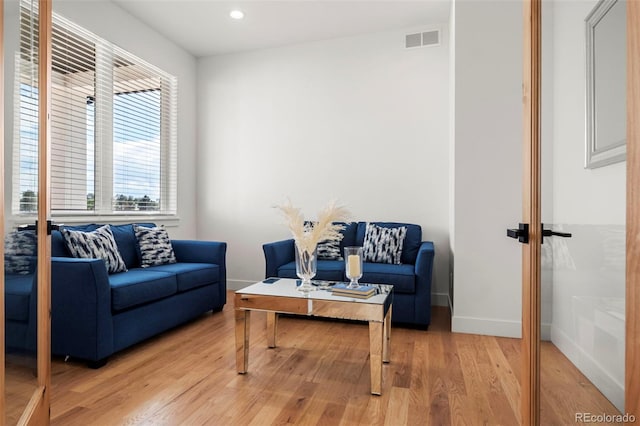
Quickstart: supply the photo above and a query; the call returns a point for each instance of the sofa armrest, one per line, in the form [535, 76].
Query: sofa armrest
[81, 322]
[424, 274]
[424, 260]
[277, 254]
[194, 251]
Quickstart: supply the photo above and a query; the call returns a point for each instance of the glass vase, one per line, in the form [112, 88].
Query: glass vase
[306, 266]
[353, 265]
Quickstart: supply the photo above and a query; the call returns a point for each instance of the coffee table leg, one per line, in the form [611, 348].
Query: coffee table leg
[272, 328]
[387, 336]
[243, 320]
[376, 331]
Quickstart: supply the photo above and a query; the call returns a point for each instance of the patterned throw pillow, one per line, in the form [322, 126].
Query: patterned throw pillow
[383, 245]
[98, 244]
[19, 250]
[329, 250]
[155, 246]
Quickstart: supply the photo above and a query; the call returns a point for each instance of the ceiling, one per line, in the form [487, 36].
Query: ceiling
[204, 27]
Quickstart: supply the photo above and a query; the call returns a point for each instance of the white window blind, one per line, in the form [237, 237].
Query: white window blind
[25, 184]
[113, 129]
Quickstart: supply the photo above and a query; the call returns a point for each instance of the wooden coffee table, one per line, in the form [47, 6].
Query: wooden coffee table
[281, 296]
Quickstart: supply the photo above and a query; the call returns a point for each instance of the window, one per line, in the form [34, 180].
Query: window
[113, 128]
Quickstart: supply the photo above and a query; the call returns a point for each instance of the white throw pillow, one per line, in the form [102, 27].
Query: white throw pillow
[155, 246]
[98, 244]
[383, 245]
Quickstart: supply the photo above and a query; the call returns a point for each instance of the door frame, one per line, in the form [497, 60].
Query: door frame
[2, 312]
[530, 384]
[632, 292]
[531, 213]
[42, 402]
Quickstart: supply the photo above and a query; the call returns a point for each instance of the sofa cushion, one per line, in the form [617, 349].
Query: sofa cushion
[123, 234]
[58, 245]
[400, 276]
[190, 275]
[138, 286]
[327, 270]
[128, 243]
[19, 251]
[333, 250]
[329, 250]
[155, 246]
[383, 244]
[98, 244]
[349, 236]
[17, 291]
[412, 240]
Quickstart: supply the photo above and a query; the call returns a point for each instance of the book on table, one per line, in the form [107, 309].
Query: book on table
[362, 291]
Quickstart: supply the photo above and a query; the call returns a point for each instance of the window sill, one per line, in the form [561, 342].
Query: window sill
[169, 221]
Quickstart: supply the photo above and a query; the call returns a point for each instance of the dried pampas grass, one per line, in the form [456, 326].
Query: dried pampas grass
[308, 234]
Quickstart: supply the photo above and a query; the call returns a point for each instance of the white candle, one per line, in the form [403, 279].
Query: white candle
[353, 262]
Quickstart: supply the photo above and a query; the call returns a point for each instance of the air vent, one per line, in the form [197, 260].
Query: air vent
[423, 39]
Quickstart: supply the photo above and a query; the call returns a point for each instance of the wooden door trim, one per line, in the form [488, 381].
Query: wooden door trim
[37, 411]
[632, 293]
[530, 378]
[41, 411]
[2, 313]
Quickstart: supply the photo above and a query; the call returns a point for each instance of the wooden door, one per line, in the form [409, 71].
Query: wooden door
[33, 401]
[531, 283]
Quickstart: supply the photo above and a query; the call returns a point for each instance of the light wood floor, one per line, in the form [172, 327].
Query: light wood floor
[318, 374]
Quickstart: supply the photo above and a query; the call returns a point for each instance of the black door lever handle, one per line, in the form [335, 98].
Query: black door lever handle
[521, 234]
[550, 233]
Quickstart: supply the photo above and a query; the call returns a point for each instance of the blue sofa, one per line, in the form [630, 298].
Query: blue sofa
[411, 279]
[95, 314]
[20, 312]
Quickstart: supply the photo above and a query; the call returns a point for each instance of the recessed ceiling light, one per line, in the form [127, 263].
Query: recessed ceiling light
[236, 14]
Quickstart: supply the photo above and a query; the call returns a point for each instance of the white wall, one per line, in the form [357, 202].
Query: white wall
[581, 196]
[452, 151]
[360, 119]
[488, 167]
[107, 20]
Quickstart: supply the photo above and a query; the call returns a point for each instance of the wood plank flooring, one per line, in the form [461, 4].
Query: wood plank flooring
[20, 383]
[318, 374]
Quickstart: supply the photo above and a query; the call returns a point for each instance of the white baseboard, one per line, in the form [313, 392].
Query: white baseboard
[493, 327]
[238, 284]
[609, 386]
[545, 332]
[439, 299]
[486, 326]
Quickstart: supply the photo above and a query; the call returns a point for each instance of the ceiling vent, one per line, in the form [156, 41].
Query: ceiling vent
[423, 39]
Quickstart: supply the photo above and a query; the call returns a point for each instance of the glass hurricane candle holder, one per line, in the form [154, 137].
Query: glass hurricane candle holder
[353, 265]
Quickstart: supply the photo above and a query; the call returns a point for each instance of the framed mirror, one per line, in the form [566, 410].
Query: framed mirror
[606, 82]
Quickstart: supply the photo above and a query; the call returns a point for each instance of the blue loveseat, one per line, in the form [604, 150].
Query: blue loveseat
[94, 314]
[411, 279]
